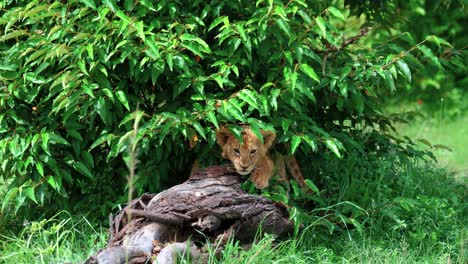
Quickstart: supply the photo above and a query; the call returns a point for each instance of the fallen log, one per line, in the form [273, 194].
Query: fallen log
[209, 204]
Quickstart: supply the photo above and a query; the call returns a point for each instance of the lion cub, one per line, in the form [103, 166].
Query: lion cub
[252, 157]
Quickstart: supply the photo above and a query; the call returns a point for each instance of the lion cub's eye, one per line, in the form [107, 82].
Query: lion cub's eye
[253, 151]
[236, 150]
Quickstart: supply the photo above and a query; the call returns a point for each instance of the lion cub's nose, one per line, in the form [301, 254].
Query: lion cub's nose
[244, 166]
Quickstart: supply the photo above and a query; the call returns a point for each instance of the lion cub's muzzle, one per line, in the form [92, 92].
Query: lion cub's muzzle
[243, 170]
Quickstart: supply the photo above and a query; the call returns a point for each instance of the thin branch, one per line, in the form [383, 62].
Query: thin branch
[346, 42]
[363, 32]
[403, 54]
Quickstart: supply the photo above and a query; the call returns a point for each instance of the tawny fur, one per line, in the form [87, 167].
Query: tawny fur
[252, 157]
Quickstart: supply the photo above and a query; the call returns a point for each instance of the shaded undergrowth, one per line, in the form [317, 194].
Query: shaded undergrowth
[421, 222]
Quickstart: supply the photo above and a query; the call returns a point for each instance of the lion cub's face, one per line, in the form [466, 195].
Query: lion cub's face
[244, 156]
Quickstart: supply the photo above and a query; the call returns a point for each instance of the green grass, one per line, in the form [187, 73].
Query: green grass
[453, 134]
[438, 129]
[362, 250]
[62, 238]
[432, 230]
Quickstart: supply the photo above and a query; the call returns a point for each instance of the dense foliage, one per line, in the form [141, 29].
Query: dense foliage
[437, 89]
[76, 76]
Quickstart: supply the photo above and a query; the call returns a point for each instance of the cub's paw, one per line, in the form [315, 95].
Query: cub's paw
[260, 183]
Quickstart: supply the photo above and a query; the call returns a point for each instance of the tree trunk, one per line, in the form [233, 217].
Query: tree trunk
[210, 202]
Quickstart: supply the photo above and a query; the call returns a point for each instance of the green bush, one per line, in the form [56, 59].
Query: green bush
[440, 90]
[75, 76]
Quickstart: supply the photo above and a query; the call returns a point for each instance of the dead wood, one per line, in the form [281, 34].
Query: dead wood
[210, 202]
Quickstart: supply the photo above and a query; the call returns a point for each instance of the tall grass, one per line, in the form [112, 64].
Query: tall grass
[62, 238]
[430, 230]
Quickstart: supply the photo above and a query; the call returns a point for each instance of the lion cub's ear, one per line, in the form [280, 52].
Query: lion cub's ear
[268, 138]
[222, 136]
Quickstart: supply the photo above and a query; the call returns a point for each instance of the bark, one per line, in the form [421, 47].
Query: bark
[210, 202]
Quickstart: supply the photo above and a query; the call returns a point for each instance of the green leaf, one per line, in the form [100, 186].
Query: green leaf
[111, 4]
[51, 180]
[264, 109]
[54, 138]
[237, 132]
[14, 148]
[286, 123]
[88, 158]
[30, 193]
[330, 143]
[296, 140]
[216, 22]
[307, 91]
[256, 129]
[293, 80]
[9, 196]
[40, 168]
[389, 79]
[100, 141]
[305, 16]
[123, 16]
[108, 93]
[235, 70]
[103, 111]
[311, 185]
[440, 146]
[153, 50]
[89, 3]
[140, 30]
[438, 40]
[429, 54]
[426, 142]
[90, 50]
[211, 116]
[284, 27]
[45, 142]
[123, 99]
[404, 69]
[309, 71]
[321, 24]
[345, 72]
[199, 129]
[343, 86]
[219, 80]
[13, 34]
[169, 60]
[274, 95]
[279, 10]
[193, 38]
[310, 141]
[165, 130]
[194, 49]
[296, 190]
[235, 110]
[337, 13]
[266, 85]
[81, 168]
[248, 97]
[241, 31]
